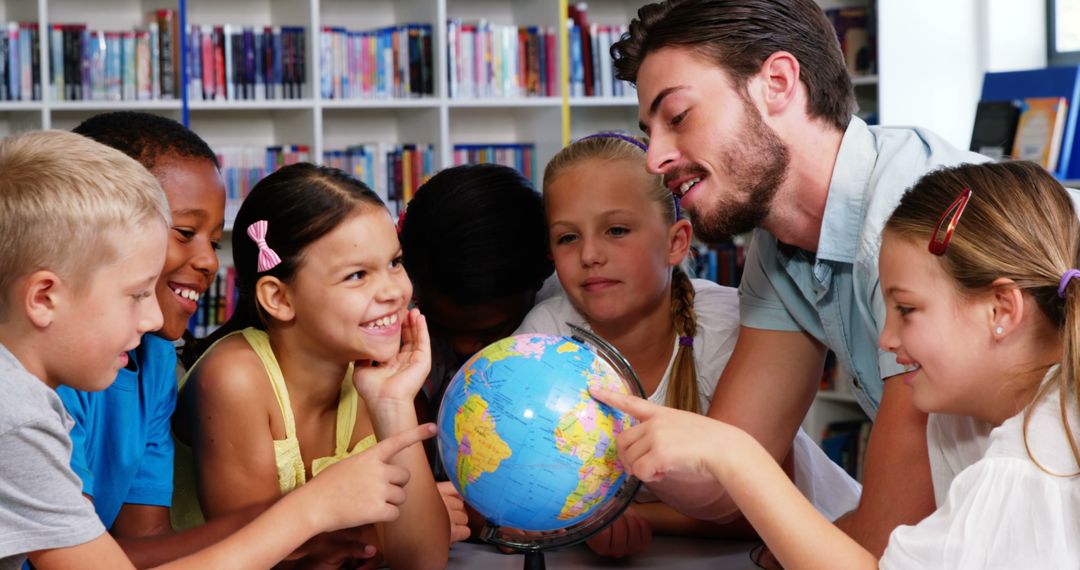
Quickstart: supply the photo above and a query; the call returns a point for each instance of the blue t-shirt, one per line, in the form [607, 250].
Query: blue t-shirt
[123, 450]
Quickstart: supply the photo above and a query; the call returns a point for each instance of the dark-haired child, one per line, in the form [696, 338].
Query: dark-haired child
[475, 245]
[322, 357]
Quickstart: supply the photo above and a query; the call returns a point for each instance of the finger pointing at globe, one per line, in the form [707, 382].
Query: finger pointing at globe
[660, 443]
[640, 408]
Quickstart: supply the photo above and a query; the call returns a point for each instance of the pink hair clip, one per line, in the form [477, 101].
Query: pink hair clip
[268, 258]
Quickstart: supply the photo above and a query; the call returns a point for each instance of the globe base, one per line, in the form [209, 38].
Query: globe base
[534, 560]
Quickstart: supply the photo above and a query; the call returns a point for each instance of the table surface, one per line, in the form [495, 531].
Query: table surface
[665, 552]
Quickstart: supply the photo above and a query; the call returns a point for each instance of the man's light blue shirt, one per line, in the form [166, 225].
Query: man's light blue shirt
[835, 294]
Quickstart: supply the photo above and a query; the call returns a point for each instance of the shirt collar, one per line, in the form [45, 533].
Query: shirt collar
[846, 204]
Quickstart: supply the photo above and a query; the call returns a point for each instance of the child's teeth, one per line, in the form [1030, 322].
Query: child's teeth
[383, 322]
[189, 294]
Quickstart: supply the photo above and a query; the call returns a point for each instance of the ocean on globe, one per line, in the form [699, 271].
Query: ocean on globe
[521, 438]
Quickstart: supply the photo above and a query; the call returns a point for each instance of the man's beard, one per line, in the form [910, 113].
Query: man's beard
[757, 162]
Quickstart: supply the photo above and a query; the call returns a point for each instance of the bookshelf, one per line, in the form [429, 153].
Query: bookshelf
[322, 123]
[327, 123]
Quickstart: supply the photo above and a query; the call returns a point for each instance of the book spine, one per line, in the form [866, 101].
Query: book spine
[155, 61]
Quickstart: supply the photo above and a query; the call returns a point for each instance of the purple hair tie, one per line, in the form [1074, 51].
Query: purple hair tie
[639, 144]
[1065, 279]
[686, 341]
[614, 135]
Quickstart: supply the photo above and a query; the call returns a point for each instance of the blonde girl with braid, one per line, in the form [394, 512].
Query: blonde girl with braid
[617, 238]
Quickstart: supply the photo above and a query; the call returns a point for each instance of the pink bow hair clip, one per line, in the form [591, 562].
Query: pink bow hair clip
[268, 258]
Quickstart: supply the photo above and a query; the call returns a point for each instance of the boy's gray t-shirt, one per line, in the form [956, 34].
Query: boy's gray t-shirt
[41, 500]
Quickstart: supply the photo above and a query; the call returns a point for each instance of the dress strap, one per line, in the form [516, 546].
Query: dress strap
[260, 343]
[348, 403]
[346, 415]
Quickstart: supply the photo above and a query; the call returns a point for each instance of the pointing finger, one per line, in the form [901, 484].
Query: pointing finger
[637, 407]
[393, 445]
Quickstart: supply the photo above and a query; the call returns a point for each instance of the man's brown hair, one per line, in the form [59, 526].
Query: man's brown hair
[739, 35]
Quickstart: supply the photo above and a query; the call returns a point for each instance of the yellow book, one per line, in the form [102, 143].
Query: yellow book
[1040, 130]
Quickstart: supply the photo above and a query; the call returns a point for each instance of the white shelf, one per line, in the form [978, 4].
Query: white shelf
[603, 102]
[419, 103]
[509, 102]
[21, 106]
[163, 105]
[271, 105]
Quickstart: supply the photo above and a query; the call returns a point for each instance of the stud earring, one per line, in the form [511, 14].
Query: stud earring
[999, 331]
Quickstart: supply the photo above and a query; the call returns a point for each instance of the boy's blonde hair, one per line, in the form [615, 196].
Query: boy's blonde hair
[62, 195]
[1018, 224]
[682, 387]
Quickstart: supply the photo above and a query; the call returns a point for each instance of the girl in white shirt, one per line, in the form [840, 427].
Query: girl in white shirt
[978, 266]
[617, 239]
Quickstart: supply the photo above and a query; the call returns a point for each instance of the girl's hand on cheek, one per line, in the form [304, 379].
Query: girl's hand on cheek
[398, 380]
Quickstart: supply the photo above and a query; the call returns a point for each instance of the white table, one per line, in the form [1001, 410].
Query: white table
[665, 552]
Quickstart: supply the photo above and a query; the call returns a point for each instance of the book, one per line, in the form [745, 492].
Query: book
[1046, 82]
[1040, 129]
[995, 128]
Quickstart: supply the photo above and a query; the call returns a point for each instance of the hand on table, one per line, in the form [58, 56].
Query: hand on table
[628, 535]
[455, 507]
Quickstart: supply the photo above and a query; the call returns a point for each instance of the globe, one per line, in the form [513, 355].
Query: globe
[527, 446]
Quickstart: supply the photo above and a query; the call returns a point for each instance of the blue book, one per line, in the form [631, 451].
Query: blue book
[1047, 82]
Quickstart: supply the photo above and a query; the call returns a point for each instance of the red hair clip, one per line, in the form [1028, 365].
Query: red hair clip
[948, 221]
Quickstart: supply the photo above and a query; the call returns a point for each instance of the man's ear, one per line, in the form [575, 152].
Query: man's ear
[1007, 308]
[41, 293]
[679, 236]
[273, 296]
[779, 82]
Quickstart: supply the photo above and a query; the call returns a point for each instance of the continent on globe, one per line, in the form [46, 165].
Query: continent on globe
[485, 450]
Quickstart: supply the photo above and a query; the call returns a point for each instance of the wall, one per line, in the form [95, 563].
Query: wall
[932, 56]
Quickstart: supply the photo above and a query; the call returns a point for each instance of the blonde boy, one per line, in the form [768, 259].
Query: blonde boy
[83, 229]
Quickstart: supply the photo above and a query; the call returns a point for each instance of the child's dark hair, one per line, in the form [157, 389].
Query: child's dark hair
[476, 233]
[300, 203]
[146, 137]
[612, 148]
[1019, 224]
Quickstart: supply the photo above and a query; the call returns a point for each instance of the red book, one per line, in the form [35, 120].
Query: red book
[579, 15]
[219, 63]
[206, 54]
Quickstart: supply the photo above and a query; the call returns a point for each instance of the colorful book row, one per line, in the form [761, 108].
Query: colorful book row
[244, 63]
[108, 65]
[520, 156]
[591, 72]
[244, 166]
[382, 63]
[20, 75]
[393, 171]
[493, 60]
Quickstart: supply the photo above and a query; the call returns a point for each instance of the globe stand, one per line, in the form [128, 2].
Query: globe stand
[534, 560]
